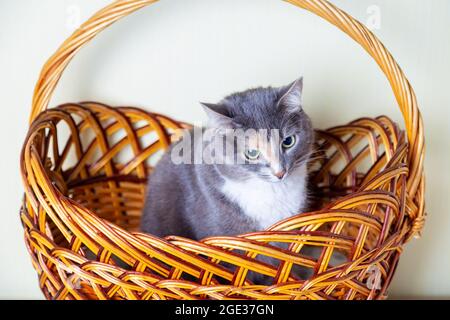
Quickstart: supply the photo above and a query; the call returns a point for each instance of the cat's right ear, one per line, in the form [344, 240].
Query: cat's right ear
[217, 117]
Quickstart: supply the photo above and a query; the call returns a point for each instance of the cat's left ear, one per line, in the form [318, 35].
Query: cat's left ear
[292, 97]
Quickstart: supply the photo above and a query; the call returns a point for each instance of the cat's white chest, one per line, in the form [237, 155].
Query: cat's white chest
[268, 202]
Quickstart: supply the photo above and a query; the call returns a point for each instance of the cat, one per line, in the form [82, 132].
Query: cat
[264, 183]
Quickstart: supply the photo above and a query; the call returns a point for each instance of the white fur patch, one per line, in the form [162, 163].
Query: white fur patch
[269, 202]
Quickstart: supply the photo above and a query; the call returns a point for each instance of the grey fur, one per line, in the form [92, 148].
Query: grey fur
[187, 200]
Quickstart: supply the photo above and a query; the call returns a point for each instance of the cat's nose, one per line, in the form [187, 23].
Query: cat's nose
[280, 175]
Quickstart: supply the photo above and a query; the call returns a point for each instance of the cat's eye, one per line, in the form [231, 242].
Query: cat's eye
[252, 154]
[288, 142]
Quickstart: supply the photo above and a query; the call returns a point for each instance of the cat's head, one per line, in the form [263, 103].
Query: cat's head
[278, 133]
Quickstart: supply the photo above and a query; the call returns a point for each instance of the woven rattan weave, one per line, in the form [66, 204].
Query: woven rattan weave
[84, 167]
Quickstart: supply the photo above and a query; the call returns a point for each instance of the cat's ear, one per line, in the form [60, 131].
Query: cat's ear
[217, 116]
[292, 96]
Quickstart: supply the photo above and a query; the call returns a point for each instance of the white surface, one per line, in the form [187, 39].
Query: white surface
[175, 53]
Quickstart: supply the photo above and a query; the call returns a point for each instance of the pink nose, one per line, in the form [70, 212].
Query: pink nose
[280, 174]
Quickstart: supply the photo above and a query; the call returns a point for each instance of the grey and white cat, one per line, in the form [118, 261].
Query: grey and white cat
[202, 200]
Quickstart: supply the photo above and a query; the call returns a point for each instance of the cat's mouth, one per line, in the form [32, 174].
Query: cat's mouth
[277, 178]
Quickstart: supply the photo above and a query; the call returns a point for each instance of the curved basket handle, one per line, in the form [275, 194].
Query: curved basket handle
[401, 87]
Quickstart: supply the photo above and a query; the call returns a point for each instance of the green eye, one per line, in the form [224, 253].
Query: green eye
[288, 142]
[252, 154]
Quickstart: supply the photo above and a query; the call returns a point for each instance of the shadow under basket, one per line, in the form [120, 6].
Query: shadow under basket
[85, 168]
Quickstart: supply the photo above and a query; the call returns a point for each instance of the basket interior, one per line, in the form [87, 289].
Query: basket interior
[99, 158]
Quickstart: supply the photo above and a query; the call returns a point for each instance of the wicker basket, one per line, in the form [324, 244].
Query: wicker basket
[84, 193]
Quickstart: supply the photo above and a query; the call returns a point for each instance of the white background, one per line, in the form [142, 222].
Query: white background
[171, 55]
